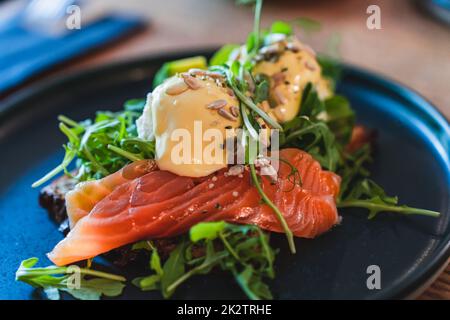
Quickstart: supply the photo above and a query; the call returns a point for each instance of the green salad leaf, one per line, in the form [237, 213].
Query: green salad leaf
[309, 131]
[359, 191]
[90, 285]
[222, 56]
[243, 251]
[281, 27]
[331, 68]
[104, 145]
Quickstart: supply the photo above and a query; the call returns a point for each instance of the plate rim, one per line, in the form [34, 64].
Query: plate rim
[17, 103]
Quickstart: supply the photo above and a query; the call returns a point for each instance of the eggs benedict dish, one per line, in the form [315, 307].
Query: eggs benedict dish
[158, 176]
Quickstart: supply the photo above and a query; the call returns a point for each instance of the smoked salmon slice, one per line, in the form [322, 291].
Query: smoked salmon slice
[81, 200]
[159, 204]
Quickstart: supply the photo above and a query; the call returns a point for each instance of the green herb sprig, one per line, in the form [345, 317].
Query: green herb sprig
[92, 285]
[104, 145]
[242, 250]
[359, 191]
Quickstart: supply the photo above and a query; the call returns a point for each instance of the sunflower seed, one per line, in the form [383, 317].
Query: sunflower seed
[234, 111]
[177, 88]
[217, 104]
[224, 113]
[191, 81]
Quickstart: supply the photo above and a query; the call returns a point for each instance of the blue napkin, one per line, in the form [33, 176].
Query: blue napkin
[24, 53]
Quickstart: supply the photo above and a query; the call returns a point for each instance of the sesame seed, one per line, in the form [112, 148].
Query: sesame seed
[211, 185]
[235, 194]
[214, 179]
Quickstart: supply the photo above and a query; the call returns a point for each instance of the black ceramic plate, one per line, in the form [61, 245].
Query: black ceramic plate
[412, 161]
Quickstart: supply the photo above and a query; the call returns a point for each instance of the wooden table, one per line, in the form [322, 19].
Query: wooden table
[410, 48]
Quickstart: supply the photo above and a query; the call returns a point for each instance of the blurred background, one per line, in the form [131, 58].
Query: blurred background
[412, 46]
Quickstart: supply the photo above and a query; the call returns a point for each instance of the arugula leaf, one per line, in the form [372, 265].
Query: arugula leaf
[103, 145]
[340, 118]
[331, 68]
[369, 195]
[93, 289]
[251, 284]
[281, 27]
[173, 269]
[244, 251]
[151, 282]
[222, 56]
[359, 191]
[206, 231]
[314, 137]
[135, 105]
[262, 88]
[352, 168]
[311, 104]
[53, 279]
